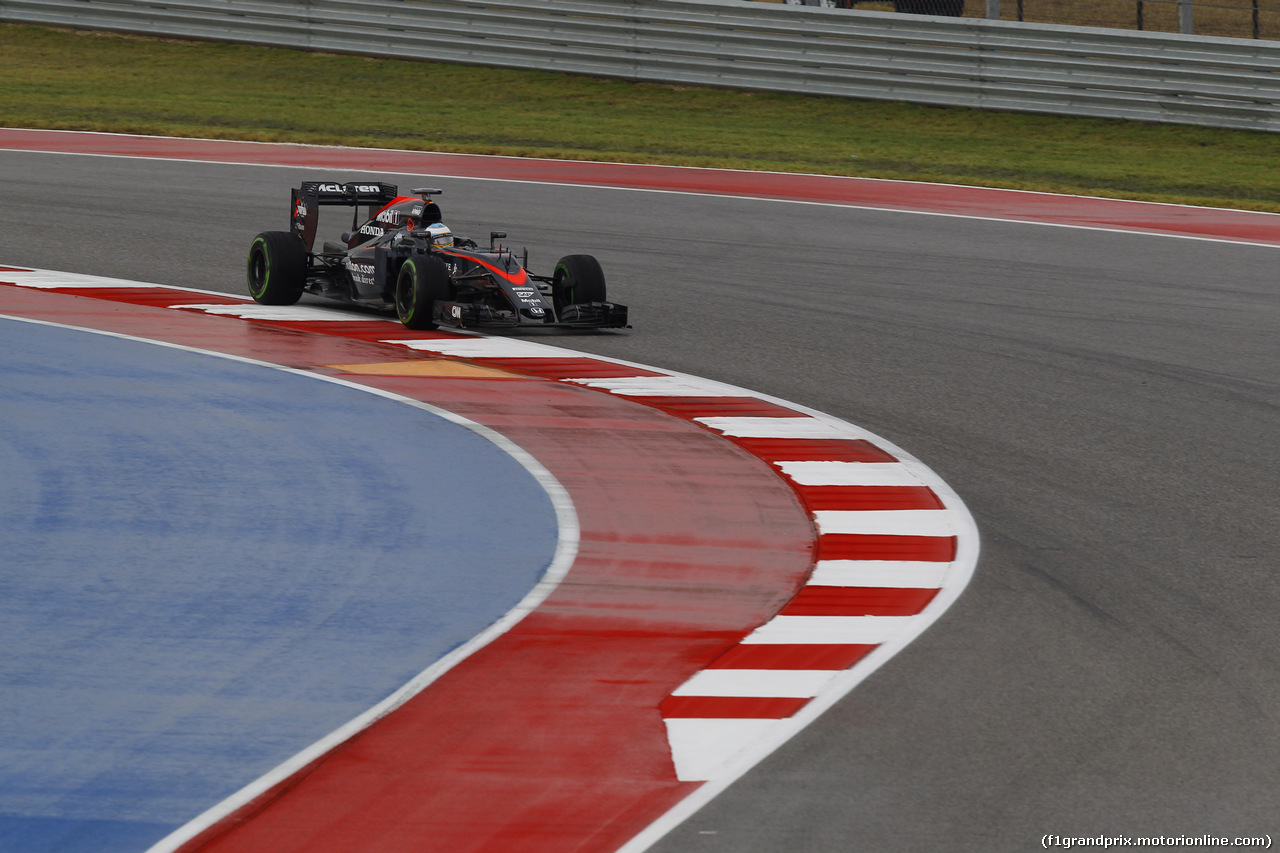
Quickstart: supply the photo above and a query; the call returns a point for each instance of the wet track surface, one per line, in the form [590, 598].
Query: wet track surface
[1105, 403]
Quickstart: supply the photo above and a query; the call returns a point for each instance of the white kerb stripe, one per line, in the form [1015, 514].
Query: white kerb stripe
[780, 428]
[299, 313]
[821, 630]
[700, 748]
[658, 386]
[879, 573]
[757, 683]
[886, 522]
[486, 348]
[47, 280]
[849, 473]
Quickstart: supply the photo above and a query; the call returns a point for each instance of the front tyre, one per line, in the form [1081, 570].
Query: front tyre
[423, 281]
[277, 268]
[578, 278]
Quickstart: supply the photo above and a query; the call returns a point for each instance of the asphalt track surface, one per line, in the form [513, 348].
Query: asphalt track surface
[1105, 403]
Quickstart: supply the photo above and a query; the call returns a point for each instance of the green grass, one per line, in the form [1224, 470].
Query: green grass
[94, 81]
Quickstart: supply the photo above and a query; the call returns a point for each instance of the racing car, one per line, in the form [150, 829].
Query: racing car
[404, 257]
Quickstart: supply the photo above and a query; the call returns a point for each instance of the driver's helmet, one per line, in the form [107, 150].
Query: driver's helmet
[439, 235]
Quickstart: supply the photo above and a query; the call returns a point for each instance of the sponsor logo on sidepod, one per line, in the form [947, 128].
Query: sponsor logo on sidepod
[361, 271]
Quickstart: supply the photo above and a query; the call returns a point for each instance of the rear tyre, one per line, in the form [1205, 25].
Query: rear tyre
[423, 281]
[577, 278]
[277, 269]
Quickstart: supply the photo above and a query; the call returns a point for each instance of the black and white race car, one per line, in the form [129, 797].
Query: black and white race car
[404, 257]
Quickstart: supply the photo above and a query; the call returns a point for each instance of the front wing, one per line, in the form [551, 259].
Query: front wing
[583, 315]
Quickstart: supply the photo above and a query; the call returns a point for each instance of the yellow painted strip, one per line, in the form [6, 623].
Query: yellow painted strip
[425, 367]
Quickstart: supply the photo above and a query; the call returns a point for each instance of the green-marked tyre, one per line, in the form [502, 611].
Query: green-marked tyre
[423, 280]
[277, 268]
[577, 278]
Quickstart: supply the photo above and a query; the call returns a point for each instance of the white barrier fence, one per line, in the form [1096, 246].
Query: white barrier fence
[967, 62]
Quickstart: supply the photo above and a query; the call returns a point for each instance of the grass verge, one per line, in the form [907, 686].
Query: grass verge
[74, 80]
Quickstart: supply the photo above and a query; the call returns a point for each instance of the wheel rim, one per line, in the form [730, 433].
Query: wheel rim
[404, 294]
[561, 294]
[258, 271]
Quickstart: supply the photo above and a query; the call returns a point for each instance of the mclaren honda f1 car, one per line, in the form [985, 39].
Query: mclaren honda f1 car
[404, 257]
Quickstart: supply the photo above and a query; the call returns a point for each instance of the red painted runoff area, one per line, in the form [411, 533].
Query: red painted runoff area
[1234, 225]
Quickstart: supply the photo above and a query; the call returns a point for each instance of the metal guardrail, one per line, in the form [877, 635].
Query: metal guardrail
[967, 62]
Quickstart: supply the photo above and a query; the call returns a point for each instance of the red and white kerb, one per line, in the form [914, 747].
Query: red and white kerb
[893, 548]
[893, 545]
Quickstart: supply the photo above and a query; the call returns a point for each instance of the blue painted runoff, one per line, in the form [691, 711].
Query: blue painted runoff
[207, 565]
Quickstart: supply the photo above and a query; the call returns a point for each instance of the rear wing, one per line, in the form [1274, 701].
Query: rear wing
[312, 195]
